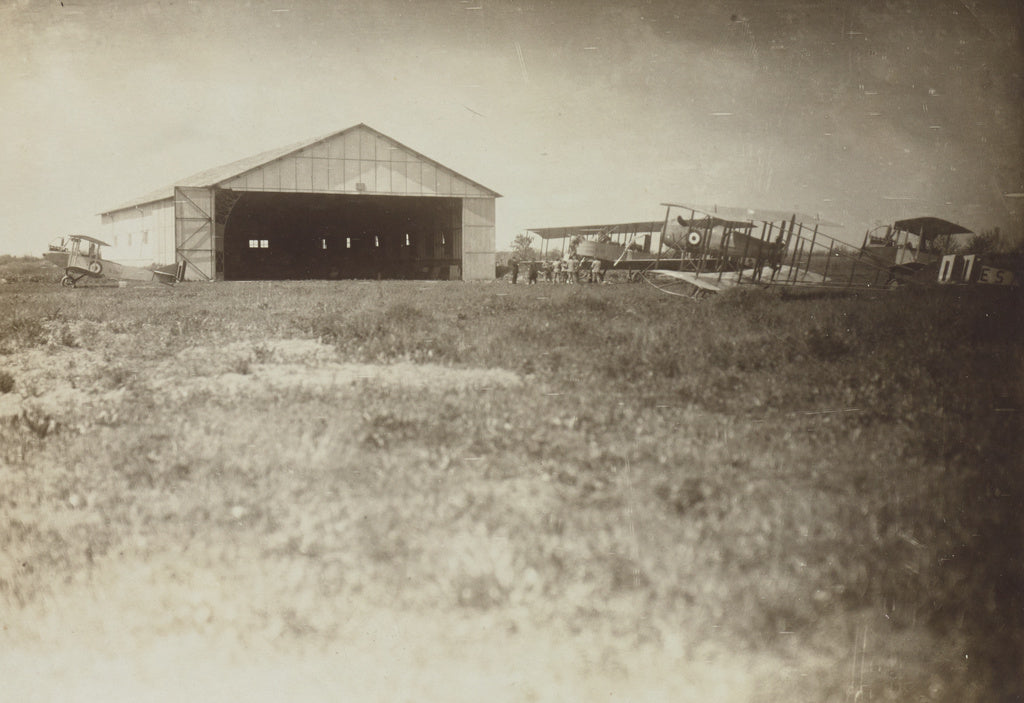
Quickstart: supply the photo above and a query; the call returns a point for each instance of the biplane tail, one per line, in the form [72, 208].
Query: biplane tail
[170, 274]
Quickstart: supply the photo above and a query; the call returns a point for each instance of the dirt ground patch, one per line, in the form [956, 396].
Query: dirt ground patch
[59, 382]
[83, 644]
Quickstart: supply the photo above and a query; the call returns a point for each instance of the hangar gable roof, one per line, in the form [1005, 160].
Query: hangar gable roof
[248, 173]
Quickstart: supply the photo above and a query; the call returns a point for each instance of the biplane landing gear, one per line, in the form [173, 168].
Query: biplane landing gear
[69, 281]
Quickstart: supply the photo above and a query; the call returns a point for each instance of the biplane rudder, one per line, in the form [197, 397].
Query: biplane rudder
[170, 274]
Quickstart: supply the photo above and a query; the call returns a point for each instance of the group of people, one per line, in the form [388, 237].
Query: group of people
[571, 270]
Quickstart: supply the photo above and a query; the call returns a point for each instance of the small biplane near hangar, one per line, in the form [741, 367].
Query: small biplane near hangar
[81, 257]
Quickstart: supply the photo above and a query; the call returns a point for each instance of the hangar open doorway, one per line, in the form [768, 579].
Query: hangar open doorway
[284, 236]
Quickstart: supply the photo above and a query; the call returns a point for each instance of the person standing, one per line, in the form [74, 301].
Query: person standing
[515, 270]
[596, 272]
[574, 270]
[533, 274]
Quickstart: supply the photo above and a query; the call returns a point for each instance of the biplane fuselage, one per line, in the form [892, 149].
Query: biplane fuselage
[723, 239]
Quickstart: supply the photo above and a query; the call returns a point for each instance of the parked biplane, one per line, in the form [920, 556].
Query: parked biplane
[922, 250]
[81, 257]
[705, 250]
[911, 249]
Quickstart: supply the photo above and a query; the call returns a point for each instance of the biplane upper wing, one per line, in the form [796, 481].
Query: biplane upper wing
[710, 222]
[746, 215]
[928, 228]
[621, 228]
[86, 238]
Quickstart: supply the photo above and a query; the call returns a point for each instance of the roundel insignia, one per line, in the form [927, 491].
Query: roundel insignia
[95, 267]
[693, 238]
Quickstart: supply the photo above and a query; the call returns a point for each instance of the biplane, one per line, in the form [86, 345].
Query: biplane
[81, 257]
[703, 250]
[910, 249]
[922, 250]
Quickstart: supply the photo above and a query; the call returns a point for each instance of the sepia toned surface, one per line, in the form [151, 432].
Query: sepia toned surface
[441, 491]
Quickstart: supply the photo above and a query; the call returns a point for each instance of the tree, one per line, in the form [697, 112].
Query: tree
[522, 249]
[985, 243]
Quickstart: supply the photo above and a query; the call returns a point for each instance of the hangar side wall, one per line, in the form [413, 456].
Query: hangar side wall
[478, 239]
[140, 236]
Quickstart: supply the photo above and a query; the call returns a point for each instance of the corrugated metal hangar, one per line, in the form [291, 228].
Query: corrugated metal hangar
[354, 204]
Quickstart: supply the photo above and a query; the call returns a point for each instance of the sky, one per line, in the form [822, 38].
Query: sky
[577, 112]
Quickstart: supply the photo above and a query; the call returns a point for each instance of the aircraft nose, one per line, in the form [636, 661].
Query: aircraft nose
[675, 235]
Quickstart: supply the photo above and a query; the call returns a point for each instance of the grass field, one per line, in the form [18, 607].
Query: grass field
[446, 491]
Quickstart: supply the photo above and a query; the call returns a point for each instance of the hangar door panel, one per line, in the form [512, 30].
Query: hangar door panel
[194, 238]
[478, 239]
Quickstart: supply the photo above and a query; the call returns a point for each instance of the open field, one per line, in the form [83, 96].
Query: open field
[444, 491]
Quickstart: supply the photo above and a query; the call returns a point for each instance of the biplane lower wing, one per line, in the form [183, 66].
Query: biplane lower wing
[767, 276]
[792, 275]
[691, 278]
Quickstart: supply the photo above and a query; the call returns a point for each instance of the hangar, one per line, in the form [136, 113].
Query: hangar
[353, 204]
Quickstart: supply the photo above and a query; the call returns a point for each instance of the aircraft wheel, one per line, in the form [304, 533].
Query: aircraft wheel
[67, 281]
[95, 267]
